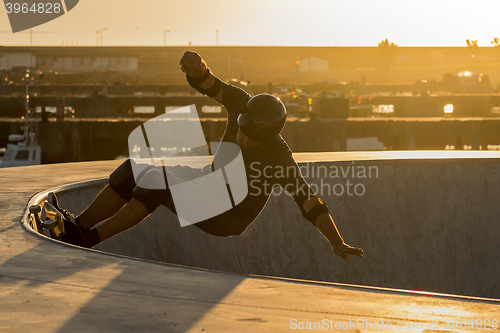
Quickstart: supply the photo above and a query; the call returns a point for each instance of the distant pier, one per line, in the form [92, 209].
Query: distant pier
[89, 139]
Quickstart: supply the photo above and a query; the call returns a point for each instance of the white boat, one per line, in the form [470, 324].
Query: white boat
[21, 151]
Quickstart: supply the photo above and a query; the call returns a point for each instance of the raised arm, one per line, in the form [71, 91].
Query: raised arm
[200, 77]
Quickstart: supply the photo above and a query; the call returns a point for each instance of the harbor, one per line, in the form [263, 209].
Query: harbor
[249, 167]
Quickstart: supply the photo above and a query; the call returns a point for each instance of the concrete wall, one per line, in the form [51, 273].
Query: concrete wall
[9, 61]
[428, 225]
[95, 139]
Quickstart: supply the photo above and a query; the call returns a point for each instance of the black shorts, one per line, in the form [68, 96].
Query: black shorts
[122, 182]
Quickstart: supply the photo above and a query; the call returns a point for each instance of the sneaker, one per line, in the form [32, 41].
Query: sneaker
[52, 199]
[90, 237]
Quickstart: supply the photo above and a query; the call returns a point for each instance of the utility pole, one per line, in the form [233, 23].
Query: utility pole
[103, 29]
[31, 47]
[165, 37]
[296, 79]
[217, 37]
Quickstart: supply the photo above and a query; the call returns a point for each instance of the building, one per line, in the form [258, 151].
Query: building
[259, 65]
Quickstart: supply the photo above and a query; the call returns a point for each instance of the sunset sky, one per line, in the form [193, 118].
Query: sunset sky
[268, 22]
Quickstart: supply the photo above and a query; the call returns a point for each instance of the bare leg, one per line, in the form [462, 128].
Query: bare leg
[127, 217]
[105, 205]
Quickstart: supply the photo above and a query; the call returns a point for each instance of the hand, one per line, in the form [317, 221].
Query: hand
[192, 64]
[342, 250]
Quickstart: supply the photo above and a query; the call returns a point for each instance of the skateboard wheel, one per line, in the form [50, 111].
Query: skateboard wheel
[35, 209]
[49, 224]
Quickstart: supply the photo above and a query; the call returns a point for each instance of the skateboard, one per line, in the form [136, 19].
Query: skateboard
[49, 221]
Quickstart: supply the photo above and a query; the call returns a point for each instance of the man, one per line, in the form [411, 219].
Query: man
[254, 124]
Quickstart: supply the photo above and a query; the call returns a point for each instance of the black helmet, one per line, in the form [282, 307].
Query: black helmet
[263, 119]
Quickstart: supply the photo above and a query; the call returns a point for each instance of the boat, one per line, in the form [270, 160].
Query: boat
[22, 149]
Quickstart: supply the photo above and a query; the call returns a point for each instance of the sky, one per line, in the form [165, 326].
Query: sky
[266, 23]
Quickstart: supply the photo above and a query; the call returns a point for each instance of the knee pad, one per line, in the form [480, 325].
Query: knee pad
[152, 190]
[122, 180]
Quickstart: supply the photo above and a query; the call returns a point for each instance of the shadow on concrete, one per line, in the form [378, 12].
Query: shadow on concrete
[427, 225]
[101, 294]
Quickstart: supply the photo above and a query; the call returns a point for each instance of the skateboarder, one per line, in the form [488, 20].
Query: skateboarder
[254, 124]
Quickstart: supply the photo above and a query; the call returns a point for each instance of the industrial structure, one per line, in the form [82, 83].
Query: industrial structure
[260, 65]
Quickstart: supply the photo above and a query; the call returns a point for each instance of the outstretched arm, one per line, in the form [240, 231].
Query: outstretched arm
[326, 225]
[194, 66]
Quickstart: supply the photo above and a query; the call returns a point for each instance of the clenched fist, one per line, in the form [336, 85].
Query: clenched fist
[192, 64]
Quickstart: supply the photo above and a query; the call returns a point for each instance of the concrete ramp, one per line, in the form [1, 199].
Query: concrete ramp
[46, 286]
[429, 224]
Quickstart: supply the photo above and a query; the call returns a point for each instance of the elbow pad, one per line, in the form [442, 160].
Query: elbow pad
[316, 211]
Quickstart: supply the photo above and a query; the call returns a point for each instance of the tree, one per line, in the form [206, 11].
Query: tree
[386, 43]
[496, 42]
[471, 43]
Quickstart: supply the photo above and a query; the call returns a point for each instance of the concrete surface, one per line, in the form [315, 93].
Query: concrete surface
[430, 225]
[46, 286]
